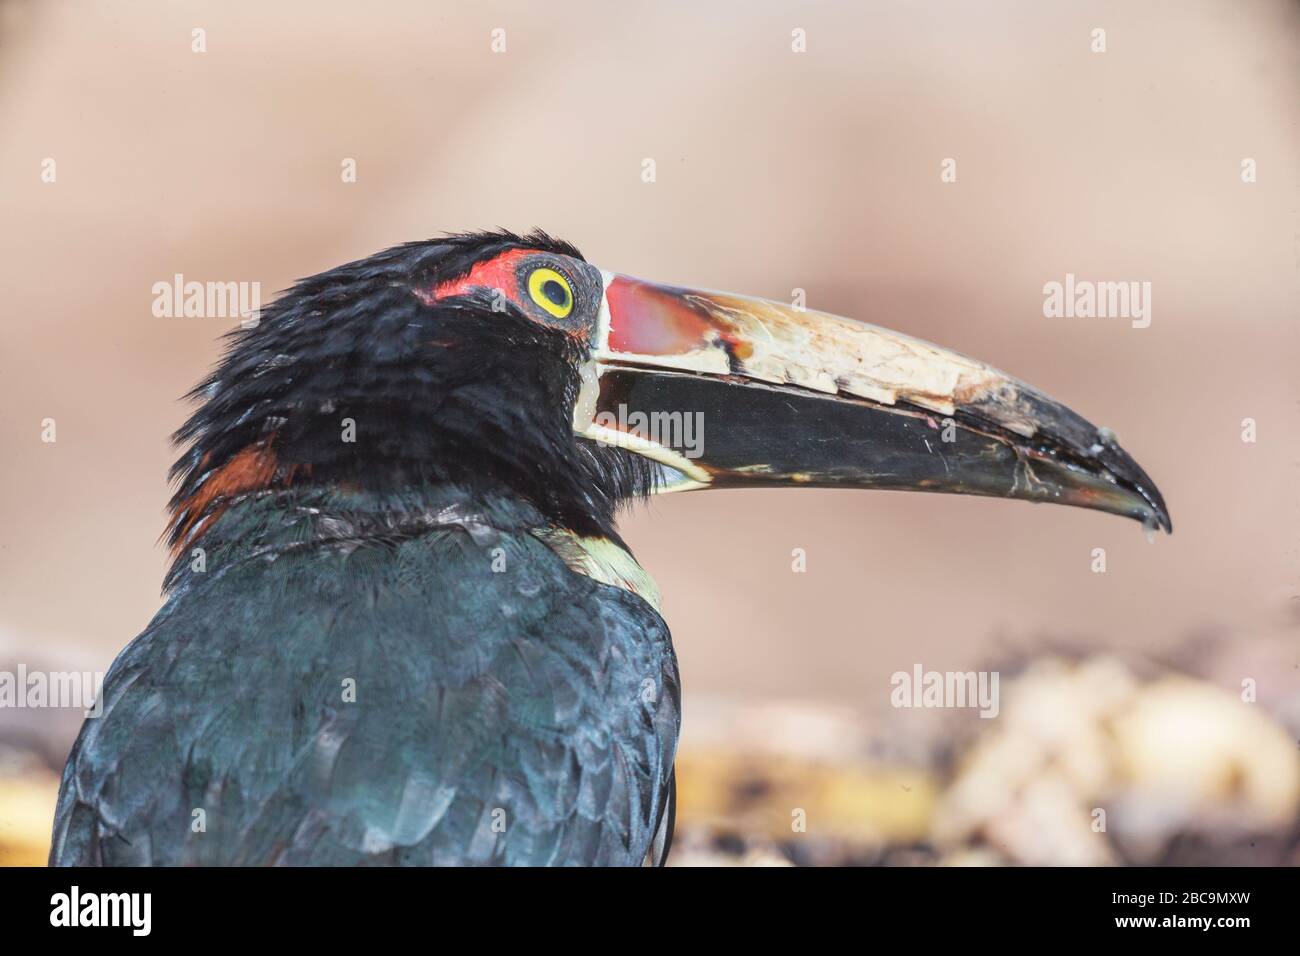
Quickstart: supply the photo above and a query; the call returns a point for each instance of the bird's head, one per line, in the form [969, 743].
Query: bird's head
[509, 363]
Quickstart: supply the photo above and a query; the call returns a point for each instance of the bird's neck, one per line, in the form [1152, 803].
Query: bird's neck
[265, 525]
[273, 521]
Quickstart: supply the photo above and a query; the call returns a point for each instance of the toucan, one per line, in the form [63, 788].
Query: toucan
[400, 626]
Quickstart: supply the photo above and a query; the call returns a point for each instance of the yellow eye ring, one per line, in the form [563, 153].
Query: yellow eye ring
[550, 290]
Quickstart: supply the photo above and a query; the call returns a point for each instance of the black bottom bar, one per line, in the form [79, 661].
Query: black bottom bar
[210, 906]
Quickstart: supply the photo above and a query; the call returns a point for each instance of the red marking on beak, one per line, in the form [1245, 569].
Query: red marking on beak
[646, 319]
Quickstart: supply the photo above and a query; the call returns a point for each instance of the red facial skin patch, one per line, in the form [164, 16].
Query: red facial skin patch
[500, 272]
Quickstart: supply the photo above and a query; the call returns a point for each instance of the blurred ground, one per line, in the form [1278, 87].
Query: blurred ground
[1098, 759]
[775, 171]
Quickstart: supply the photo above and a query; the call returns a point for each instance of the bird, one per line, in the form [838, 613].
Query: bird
[400, 626]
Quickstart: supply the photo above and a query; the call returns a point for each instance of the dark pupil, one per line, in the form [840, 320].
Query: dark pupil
[555, 292]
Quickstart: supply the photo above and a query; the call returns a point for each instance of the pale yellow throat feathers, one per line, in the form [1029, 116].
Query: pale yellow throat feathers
[601, 560]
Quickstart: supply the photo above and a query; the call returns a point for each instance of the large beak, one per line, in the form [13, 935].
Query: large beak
[725, 390]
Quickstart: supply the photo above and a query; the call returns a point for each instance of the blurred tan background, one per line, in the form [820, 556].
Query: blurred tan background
[775, 170]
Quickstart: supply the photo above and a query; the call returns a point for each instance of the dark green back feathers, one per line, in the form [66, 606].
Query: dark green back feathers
[357, 679]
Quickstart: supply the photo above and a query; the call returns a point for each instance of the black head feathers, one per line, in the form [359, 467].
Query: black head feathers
[353, 378]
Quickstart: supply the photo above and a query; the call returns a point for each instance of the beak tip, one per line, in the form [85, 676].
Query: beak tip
[1163, 521]
[1162, 512]
[1128, 472]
